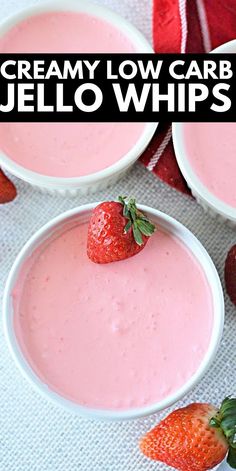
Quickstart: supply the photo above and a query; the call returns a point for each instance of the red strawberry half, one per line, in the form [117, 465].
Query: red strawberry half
[117, 230]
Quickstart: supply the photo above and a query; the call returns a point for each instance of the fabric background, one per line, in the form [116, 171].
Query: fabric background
[38, 436]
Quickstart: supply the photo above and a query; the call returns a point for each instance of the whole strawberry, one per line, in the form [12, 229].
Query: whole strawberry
[230, 274]
[194, 438]
[7, 189]
[117, 230]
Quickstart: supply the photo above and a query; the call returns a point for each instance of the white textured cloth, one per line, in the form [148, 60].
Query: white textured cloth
[38, 436]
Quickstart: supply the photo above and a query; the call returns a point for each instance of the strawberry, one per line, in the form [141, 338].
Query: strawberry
[7, 189]
[194, 438]
[117, 230]
[230, 274]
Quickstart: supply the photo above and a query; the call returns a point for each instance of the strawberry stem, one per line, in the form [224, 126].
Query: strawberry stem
[225, 420]
[139, 223]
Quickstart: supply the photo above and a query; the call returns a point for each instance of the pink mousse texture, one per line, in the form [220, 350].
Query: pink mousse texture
[67, 149]
[116, 336]
[211, 151]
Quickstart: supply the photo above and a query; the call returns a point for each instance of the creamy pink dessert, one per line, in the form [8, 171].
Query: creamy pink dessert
[115, 336]
[211, 151]
[67, 149]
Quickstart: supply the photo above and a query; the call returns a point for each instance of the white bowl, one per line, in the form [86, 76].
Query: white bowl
[204, 197]
[104, 178]
[72, 218]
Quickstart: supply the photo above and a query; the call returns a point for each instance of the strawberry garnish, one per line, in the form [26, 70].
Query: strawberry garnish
[230, 274]
[7, 189]
[194, 438]
[117, 230]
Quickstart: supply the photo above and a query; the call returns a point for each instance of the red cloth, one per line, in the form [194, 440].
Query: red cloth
[209, 23]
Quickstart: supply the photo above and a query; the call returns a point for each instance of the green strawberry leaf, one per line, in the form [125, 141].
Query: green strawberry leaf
[128, 226]
[141, 226]
[137, 234]
[225, 420]
[231, 458]
[146, 227]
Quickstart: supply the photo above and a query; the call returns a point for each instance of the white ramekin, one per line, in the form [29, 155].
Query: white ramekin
[102, 179]
[82, 214]
[213, 205]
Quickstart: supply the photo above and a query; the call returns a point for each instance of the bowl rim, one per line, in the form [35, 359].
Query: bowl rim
[166, 222]
[189, 174]
[143, 46]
